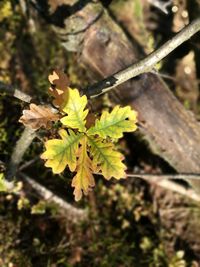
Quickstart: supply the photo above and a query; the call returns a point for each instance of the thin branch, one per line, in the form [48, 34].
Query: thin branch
[144, 65]
[179, 176]
[164, 180]
[11, 90]
[164, 76]
[74, 214]
[28, 163]
[22, 145]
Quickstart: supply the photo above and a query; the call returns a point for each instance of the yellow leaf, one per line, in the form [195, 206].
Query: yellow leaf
[62, 152]
[116, 122]
[83, 180]
[106, 159]
[76, 112]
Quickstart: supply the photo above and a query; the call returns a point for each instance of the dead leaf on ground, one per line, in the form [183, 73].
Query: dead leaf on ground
[59, 88]
[38, 116]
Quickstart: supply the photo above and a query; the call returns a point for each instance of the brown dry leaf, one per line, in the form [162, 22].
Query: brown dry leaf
[38, 116]
[59, 90]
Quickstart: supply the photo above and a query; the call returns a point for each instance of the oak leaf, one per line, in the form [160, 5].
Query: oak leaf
[38, 116]
[115, 123]
[59, 88]
[76, 112]
[83, 180]
[106, 159]
[62, 152]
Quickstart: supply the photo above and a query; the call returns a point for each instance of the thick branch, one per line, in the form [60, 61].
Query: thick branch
[22, 145]
[74, 214]
[145, 64]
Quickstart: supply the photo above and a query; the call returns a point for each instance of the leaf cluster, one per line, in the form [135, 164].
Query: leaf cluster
[83, 150]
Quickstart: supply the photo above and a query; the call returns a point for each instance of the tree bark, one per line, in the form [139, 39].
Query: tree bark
[86, 27]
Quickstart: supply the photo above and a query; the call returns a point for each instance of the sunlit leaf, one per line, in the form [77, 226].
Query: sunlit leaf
[83, 180]
[86, 147]
[115, 123]
[62, 152]
[106, 159]
[76, 112]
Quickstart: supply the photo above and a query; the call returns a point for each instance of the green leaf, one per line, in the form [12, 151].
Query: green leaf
[116, 122]
[83, 180]
[62, 152]
[76, 112]
[106, 159]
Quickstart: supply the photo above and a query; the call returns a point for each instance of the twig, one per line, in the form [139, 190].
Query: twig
[164, 180]
[74, 214]
[145, 64]
[179, 176]
[22, 144]
[165, 76]
[11, 90]
[28, 163]
[172, 186]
